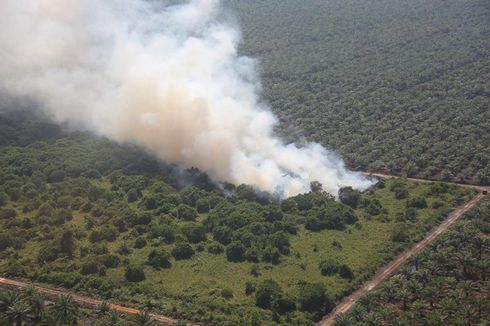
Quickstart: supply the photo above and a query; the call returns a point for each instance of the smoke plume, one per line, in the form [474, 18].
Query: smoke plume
[167, 77]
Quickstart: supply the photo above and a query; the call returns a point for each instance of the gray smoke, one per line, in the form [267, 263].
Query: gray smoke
[166, 77]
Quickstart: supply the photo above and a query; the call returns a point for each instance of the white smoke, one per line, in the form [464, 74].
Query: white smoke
[166, 77]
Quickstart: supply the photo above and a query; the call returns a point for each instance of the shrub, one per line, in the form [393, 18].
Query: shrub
[266, 293]
[135, 273]
[235, 251]
[159, 259]
[3, 198]
[400, 234]
[194, 233]
[91, 174]
[418, 202]
[56, 176]
[186, 213]
[215, 248]
[271, 255]
[345, 272]
[90, 267]
[6, 213]
[411, 214]
[312, 297]
[5, 241]
[110, 260]
[182, 250]
[249, 288]
[124, 250]
[140, 242]
[202, 205]
[227, 293]
[132, 195]
[163, 231]
[223, 234]
[329, 267]
[401, 193]
[349, 196]
[67, 243]
[437, 204]
[284, 305]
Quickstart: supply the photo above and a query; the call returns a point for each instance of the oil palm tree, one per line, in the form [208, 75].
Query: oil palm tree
[343, 320]
[65, 309]
[143, 319]
[18, 313]
[8, 299]
[102, 309]
[37, 307]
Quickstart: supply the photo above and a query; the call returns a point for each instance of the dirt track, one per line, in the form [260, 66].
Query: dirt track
[87, 302]
[385, 272]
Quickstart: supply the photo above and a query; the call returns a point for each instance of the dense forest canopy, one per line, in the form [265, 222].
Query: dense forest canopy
[398, 86]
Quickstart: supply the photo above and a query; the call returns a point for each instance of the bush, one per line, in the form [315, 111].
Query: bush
[90, 267]
[401, 193]
[332, 216]
[215, 248]
[140, 242]
[194, 233]
[284, 305]
[349, 196]
[3, 198]
[6, 213]
[235, 251]
[329, 267]
[411, 214]
[202, 205]
[91, 174]
[223, 234]
[110, 260]
[271, 255]
[437, 204]
[163, 231]
[159, 259]
[345, 272]
[182, 250]
[5, 241]
[56, 176]
[312, 297]
[268, 291]
[249, 288]
[124, 250]
[132, 195]
[400, 234]
[227, 293]
[135, 273]
[186, 213]
[418, 202]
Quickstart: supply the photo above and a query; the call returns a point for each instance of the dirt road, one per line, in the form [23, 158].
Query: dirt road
[87, 302]
[385, 272]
